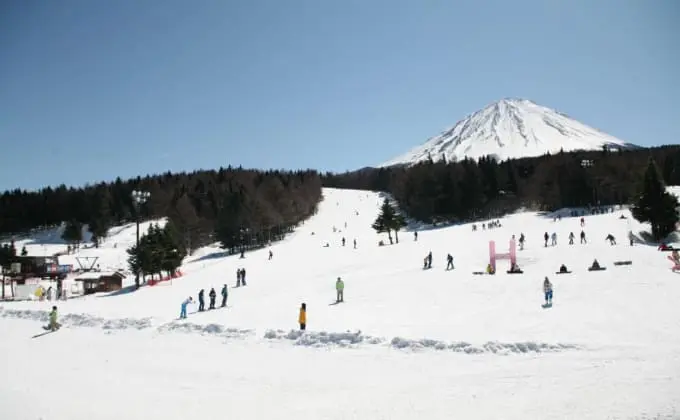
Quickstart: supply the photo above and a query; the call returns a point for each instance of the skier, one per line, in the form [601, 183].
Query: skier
[225, 294]
[243, 276]
[271, 254]
[238, 277]
[415, 236]
[183, 312]
[521, 241]
[546, 237]
[571, 238]
[611, 239]
[54, 325]
[339, 291]
[449, 262]
[212, 295]
[302, 318]
[548, 291]
[583, 222]
[201, 301]
[583, 238]
[355, 244]
[343, 241]
[429, 260]
[553, 237]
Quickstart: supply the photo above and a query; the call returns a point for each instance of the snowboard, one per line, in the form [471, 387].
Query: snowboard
[597, 269]
[623, 263]
[562, 272]
[515, 272]
[546, 305]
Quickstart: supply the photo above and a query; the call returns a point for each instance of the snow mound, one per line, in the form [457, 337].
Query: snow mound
[79, 320]
[208, 329]
[489, 347]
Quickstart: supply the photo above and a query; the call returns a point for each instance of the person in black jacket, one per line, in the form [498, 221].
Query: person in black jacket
[225, 294]
[212, 295]
[201, 301]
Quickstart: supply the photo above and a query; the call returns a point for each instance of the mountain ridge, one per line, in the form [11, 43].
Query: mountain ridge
[506, 129]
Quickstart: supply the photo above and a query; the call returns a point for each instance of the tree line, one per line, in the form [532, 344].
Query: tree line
[469, 190]
[231, 205]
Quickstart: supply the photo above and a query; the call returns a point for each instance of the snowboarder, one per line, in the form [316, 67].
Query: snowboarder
[521, 241]
[415, 236]
[553, 237]
[343, 241]
[243, 276]
[212, 295]
[225, 295]
[449, 262]
[583, 222]
[571, 238]
[271, 254]
[595, 265]
[302, 318]
[238, 277]
[339, 290]
[546, 237]
[183, 312]
[429, 260]
[583, 237]
[201, 301]
[355, 244]
[548, 291]
[53, 325]
[611, 239]
[563, 269]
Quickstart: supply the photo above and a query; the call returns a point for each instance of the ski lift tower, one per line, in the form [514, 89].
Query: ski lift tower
[139, 198]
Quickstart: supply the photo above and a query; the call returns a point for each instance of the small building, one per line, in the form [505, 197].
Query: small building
[95, 282]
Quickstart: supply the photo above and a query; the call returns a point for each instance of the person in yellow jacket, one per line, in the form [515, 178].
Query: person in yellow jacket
[302, 318]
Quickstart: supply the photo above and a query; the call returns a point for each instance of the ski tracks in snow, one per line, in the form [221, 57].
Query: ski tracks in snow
[316, 339]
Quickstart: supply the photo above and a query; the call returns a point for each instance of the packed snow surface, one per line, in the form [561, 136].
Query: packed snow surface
[406, 342]
[509, 128]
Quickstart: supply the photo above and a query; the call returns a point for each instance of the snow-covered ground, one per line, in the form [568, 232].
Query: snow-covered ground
[406, 343]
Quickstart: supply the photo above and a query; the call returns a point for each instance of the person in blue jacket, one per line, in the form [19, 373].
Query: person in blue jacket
[183, 313]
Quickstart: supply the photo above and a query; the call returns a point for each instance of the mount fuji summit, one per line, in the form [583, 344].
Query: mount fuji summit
[510, 129]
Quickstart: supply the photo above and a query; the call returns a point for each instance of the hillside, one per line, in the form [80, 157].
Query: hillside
[507, 129]
[406, 342]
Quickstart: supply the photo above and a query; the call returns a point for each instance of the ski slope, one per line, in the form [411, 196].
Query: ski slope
[406, 342]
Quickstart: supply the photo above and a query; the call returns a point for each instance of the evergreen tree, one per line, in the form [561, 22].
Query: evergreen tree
[385, 221]
[73, 233]
[656, 205]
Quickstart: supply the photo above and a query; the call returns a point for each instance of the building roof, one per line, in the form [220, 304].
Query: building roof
[96, 275]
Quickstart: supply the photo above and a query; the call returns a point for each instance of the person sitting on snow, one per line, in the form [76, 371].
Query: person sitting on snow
[596, 265]
[514, 268]
[563, 269]
[489, 269]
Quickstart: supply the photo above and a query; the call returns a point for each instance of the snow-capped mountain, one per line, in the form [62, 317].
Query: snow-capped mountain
[510, 128]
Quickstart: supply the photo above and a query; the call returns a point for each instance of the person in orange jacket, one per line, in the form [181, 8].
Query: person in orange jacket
[302, 318]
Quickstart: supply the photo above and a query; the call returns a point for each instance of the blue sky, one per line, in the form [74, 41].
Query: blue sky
[93, 89]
